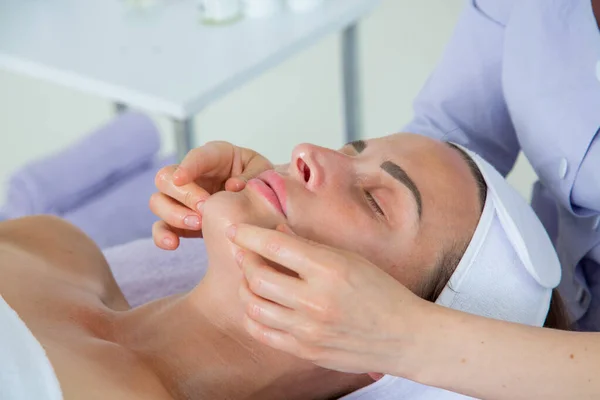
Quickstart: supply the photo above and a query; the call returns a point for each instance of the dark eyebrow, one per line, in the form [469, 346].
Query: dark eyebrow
[399, 174]
[358, 145]
[396, 172]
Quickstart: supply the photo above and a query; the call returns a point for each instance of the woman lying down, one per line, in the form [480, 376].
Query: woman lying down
[438, 220]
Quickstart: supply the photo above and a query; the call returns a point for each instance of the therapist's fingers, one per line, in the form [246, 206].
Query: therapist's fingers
[285, 228]
[191, 195]
[163, 236]
[208, 161]
[294, 252]
[167, 237]
[174, 213]
[253, 166]
[274, 338]
[283, 341]
[266, 312]
[268, 283]
[235, 184]
[272, 316]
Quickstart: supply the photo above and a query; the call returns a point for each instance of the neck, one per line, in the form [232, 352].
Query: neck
[196, 346]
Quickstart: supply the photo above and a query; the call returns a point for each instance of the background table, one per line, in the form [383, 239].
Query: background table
[163, 59]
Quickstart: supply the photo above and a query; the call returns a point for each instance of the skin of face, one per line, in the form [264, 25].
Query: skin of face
[326, 199]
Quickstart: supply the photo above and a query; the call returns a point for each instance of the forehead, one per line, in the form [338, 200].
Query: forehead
[407, 146]
[434, 165]
[420, 155]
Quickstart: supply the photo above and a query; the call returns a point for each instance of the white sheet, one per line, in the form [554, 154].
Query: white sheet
[25, 371]
[392, 388]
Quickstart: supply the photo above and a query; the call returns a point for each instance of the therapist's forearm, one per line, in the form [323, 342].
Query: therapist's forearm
[489, 359]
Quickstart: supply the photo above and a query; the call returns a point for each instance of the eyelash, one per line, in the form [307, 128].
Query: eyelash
[373, 204]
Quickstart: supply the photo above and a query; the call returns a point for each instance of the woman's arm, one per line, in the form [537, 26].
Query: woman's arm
[491, 359]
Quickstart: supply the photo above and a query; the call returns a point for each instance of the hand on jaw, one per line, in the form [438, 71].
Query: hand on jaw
[339, 311]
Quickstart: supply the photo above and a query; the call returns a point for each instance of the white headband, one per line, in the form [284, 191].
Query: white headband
[510, 266]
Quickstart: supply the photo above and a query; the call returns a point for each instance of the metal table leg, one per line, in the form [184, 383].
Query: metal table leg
[184, 136]
[120, 108]
[352, 106]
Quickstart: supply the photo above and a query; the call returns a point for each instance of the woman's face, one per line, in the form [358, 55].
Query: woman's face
[399, 201]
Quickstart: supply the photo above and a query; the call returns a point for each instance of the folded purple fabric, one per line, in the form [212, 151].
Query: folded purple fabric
[121, 214]
[145, 273]
[67, 179]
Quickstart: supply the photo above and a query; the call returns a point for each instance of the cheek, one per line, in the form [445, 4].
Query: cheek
[349, 227]
[340, 224]
[221, 210]
[343, 223]
[224, 209]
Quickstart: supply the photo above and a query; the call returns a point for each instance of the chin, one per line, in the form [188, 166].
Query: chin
[222, 210]
[226, 208]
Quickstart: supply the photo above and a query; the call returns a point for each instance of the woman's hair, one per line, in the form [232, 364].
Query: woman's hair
[557, 316]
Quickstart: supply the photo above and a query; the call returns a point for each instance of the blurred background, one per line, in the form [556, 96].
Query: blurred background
[296, 101]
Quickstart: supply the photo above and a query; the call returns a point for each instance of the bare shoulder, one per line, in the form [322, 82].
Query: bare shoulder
[39, 249]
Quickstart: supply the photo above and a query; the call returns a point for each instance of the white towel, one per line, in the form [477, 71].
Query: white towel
[25, 370]
[392, 388]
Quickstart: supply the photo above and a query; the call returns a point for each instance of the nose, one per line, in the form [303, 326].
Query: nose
[315, 165]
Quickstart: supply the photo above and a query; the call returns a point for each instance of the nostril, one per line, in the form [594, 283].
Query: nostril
[304, 169]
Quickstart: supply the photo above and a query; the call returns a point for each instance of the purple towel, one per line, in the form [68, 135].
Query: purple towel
[66, 180]
[145, 273]
[121, 214]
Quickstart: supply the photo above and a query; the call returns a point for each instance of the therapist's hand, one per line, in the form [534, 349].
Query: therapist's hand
[334, 308]
[183, 188]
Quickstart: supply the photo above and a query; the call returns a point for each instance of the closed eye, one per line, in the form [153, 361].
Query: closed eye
[373, 204]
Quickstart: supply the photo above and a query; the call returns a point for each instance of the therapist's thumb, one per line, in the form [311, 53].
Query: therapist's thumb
[237, 183]
[285, 228]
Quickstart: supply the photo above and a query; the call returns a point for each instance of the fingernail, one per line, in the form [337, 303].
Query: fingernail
[241, 184]
[231, 231]
[200, 206]
[285, 228]
[168, 242]
[177, 173]
[239, 257]
[192, 221]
